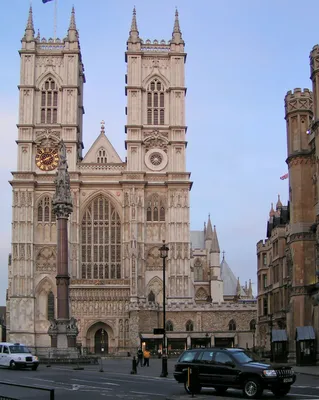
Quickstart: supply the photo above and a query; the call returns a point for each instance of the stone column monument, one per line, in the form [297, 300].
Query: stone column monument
[63, 329]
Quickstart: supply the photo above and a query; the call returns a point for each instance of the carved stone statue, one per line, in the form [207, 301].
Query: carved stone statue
[62, 200]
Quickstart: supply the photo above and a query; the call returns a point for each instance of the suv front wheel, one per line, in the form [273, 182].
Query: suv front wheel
[252, 388]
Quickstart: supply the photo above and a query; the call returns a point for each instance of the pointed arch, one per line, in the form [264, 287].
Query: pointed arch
[44, 300]
[158, 75]
[46, 284]
[101, 240]
[189, 326]
[155, 101]
[232, 325]
[252, 325]
[155, 208]
[51, 74]
[169, 326]
[45, 260]
[45, 214]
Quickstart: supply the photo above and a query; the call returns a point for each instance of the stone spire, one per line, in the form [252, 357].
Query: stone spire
[177, 34]
[209, 230]
[72, 31]
[29, 30]
[272, 211]
[279, 203]
[215, 244]
[238, 288]
[250, 290]
[134, 34]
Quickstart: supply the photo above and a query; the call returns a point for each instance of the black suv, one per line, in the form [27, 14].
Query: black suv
[231, 368]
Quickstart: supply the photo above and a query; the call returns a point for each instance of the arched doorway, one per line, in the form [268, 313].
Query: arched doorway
[101, 342]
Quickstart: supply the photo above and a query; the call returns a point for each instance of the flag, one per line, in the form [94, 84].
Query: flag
[284, 177]
[46, 1]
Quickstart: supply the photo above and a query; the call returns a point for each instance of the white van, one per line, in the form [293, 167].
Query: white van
[15, 355]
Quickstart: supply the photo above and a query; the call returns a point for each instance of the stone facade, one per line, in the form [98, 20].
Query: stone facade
[121, 210]
[288, 261]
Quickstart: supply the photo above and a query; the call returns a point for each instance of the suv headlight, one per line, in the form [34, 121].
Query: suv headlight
[269, 372]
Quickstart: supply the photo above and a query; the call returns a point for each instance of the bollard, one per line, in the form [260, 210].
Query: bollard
[49, 364]
[134, 369]
[101, 367]
[164, 366]
[193, 380]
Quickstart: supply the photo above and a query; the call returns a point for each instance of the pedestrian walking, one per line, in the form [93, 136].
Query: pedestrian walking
[139, 357]
[147, 356]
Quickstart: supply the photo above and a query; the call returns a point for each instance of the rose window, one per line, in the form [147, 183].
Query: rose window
[156, 159]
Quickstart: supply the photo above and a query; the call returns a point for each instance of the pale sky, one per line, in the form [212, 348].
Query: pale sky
[243, 56]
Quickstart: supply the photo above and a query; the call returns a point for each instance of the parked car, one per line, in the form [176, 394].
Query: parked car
[223, 368]
[15, 355]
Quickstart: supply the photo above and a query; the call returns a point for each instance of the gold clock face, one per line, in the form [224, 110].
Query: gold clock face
[47, 158]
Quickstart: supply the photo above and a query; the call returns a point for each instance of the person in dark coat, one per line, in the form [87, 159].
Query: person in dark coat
[139, 357]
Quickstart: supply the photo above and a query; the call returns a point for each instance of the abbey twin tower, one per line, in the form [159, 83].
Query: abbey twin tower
[122, 211]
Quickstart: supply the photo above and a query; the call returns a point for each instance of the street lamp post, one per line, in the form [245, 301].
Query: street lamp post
[164, 253]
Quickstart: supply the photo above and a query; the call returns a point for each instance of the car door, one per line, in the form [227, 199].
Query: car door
[206, 367]
[1, 354]
[5, 356]
[226, 369]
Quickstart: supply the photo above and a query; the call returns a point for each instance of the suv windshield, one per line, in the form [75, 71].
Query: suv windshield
[19, 349]
[243, 357]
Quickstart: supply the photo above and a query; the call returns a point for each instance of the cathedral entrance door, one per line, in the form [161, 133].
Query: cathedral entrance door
[101, 342]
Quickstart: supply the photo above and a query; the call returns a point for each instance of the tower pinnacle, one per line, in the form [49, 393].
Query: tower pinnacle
[29, 30]
[177, 34]
[72, 31]
[134, 33]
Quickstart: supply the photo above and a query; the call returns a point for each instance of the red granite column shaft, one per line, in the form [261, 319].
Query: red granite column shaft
[62, 278]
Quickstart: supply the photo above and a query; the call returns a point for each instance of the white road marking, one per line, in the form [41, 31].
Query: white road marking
[150, 394]
[102, 383]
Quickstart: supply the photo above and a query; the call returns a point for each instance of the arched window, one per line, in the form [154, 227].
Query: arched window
[169, 326]
[189, 326]
[49, 102]
[151, 297]
[155, 103]
[232, 325]
[45, 212]
[252, 325]
[101, 241]
[101, 157]
[50, 305]
[155, 210]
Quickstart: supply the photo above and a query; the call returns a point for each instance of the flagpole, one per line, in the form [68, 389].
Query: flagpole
[55, 18]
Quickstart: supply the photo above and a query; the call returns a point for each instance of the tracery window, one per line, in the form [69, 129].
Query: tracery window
[169, 326]
[198, 271]
[232, 325]
[101, 241]
[155, 209]
[45, 212]
[50, 306]
[101, 156]
[49, 102]
[155, 103]
[189, 326]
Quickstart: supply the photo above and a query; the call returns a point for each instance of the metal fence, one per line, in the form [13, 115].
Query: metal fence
[4, 397]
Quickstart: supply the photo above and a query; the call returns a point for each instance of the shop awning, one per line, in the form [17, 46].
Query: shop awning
[305, 333]
[279, 335]
[151, 336]
[224, 335]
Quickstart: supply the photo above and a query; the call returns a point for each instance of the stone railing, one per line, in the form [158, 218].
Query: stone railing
[102, 167]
